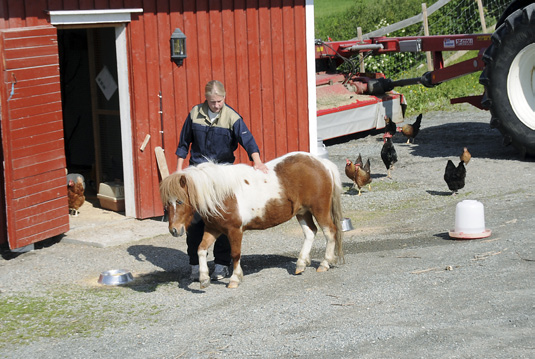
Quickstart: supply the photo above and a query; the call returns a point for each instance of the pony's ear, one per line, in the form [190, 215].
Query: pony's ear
[182, 181]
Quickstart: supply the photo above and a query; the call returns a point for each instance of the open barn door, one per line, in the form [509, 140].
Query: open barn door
[34, 180]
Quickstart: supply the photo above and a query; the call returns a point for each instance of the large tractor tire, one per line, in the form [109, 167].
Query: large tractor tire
[509, 80]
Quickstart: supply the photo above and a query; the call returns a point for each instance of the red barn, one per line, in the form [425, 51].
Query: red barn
[86, 82]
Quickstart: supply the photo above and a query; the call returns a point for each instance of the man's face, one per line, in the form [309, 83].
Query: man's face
[215, 102]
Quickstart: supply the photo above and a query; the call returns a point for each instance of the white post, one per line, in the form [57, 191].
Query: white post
[361, 57]
[482, 16]
[426, 33]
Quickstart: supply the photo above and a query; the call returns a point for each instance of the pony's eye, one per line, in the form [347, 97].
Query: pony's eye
[179, 202]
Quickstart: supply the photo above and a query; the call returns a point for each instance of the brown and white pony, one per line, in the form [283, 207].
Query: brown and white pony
[234, 198]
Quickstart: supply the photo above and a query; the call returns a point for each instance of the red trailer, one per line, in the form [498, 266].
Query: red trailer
[506, 57]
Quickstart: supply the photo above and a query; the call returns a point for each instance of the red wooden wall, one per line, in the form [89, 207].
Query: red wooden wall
[255, 47]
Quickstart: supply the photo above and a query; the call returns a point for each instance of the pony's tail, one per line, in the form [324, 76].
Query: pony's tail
[336, 210]
[336, 214]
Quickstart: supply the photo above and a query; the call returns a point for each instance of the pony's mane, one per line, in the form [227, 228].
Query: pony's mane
[208, 186]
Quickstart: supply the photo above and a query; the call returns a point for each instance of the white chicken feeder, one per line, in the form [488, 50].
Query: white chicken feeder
[469, 221]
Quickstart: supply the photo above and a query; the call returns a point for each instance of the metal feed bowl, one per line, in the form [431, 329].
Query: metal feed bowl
[115, 277]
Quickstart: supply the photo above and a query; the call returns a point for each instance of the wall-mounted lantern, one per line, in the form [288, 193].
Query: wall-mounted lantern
[178, 46]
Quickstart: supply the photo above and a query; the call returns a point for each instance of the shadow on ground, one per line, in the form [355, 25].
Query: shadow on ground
[175, 266]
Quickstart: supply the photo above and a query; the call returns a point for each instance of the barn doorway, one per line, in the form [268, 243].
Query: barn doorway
[90, 103]
[92, 45]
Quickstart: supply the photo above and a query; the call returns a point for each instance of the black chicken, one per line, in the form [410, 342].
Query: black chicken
[455, 176]
[388, 154]
[390, 127]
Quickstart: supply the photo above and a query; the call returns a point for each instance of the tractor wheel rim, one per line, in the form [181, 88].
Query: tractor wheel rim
[521, 86]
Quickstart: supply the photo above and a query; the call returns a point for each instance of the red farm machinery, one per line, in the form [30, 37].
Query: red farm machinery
[505, 57]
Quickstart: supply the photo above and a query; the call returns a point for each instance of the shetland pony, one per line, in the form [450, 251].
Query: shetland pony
[234, 198]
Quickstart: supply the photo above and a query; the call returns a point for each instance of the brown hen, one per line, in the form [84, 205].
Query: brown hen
[76, 195]
[363, 176]
[465, 156]
[410, 131]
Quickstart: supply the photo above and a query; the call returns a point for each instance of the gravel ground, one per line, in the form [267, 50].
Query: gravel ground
[406, 290]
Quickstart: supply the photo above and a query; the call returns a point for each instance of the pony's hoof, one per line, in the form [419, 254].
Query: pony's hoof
[322, 269]
[233, 284]
[299, 269]
[205, 283]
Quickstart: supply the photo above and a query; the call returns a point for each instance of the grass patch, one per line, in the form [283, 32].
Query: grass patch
[327, 8]
[422, 99]
[63, 313]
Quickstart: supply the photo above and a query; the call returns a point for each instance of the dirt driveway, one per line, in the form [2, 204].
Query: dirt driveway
[406, 290]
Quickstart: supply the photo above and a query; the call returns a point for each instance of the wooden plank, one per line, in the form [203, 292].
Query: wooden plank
[16, 16]
[140, 113]
[20, 31]
[22, 90]
[241, 53]
[301, 76]
[193, 64]
[35, 15]
[32, 61]
[21, 123]
[28, 133]
[23, 47]
[266, 75]
[21, 190]
[43, 196]
[216, 51]
[23, 84]
[169, 141]
[23, 52]
[51, 108]
[162, 162]
[291, 67]
[173, 123]
[54, 224]
[35, 215]
[25, 103]
[31, 73]
[38, 168]
[254, 81]
[31, 161]
[204, 48]
[152, 82]
[279, 114]
[45, 234]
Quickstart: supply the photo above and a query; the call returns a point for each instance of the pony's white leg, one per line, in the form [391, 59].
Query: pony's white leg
[208, 240]
[309, 230]
[237, 275]
[204, 276]
[329, 250]
[235, 238]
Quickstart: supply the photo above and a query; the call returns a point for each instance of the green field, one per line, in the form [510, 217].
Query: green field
[324, 8]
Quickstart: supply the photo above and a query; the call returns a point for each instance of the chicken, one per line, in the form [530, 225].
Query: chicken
[351, 171]
[390, 127]
[76, 196]
[359, 160]
[455, 176]
[363, 176]
[465, 156]
[388, 154]
[411, 131]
